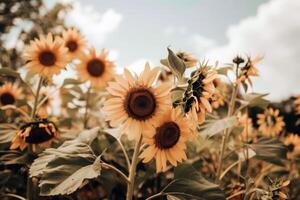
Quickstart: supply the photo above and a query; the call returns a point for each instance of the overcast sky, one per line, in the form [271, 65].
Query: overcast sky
[140, 30]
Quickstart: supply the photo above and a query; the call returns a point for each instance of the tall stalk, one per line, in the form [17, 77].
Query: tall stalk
[85, 119]
[226, 131]
[130, 184]
[31, 186]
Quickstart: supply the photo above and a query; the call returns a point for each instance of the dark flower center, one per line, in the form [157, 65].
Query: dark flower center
[140, 104]
[271, 120]
[38, 135]
[47, 58]
[72, 45]
[95, 67]
[7, 98]
[167, 135]
[290, 147]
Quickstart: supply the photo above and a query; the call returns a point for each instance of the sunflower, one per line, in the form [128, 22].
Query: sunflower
[74, 41]
[9, 94]
[97, 69]
[35, 133]
[270, 123]
[297, 102]
[249, 69]
[198, 93]
[135, 103]
[46, 56]
[292, 143]
[166, 140]
[188, 59]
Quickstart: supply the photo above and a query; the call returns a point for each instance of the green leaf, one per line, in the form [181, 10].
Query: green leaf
[64, 169]
[177, 94]
[176, 65]
[72, 151]
[190, 184]
[223, 70]
[70, 81]
[216, 126]
[171, 197]
[87, 136]
[75, 180]
[255, 100]
[7, 133]
[270, 150]
[9, 72]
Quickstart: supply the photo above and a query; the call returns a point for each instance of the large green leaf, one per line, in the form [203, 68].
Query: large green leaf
[190, 184]
[73, 180]
[216, 126]
[64, 169]
[7, 132]
[176, 64]
[271, 150]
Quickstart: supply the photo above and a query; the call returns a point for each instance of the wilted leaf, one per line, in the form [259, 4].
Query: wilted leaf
[216, 126]
[189, 184]
[176, 65]
[271, 150]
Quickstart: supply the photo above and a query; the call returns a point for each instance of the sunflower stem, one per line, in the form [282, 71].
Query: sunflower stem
[226, 131]
[31, 186]
[116, 170]
[130, 184]
[35, 103]
[85, 119]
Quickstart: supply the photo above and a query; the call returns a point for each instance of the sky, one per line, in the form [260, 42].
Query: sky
[137, 31]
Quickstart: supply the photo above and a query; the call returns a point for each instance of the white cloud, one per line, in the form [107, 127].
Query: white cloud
[201, 44]
[170, 30]
[94, 25]
[273, 32]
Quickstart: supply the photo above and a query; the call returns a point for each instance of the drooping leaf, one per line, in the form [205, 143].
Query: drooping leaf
[190, 184]
[176, 64]
[216, 126]
[271, 150]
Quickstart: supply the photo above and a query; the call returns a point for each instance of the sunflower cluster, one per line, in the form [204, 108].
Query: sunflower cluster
[200, 89]
[142, 109]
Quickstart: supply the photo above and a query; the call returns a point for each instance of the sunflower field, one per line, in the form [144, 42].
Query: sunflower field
[189, 128]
